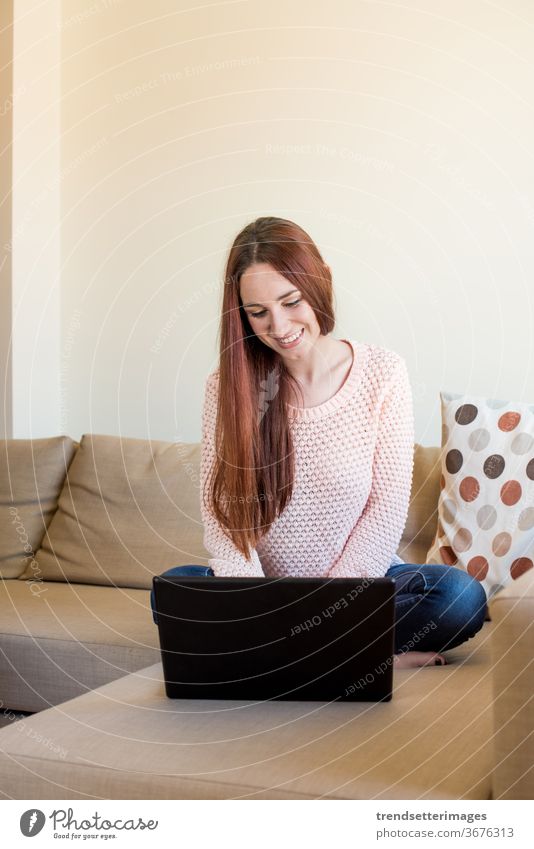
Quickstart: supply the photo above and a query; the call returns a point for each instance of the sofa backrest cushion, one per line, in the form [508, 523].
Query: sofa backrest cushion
[129, 509]
[422, 514]
[32, 473]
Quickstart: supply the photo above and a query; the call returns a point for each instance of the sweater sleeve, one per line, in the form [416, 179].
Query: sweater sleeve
[372, 543]
[227, 560]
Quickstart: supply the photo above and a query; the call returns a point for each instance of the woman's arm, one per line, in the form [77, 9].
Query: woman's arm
[373, 541]
[227, 560]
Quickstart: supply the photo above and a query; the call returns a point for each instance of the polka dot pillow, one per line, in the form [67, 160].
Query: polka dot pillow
[486, 503]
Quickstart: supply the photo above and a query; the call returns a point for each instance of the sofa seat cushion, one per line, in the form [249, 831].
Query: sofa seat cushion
[129, 509]
[60, 640]
[32, 472]
[433, 740]
[512, 610]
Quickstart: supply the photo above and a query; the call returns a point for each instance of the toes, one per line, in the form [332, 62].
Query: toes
[415, 659]
[433, 659]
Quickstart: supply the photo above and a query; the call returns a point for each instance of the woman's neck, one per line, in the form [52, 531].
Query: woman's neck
[324, 359]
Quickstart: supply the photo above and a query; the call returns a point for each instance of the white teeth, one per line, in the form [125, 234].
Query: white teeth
[290, 338]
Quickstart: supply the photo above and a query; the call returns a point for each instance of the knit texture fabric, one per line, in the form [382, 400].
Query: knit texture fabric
[353, 474]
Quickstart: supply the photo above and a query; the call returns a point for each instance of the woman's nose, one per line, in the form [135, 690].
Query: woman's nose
[278, 323]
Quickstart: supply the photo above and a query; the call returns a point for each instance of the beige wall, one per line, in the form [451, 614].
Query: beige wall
[32, 245]
[6, 134]
[399, 136]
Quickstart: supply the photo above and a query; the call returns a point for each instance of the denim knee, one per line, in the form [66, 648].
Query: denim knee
[192, 571]
[189, 571]
[462, 610]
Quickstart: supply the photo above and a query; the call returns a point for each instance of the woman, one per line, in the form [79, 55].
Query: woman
[307, 446]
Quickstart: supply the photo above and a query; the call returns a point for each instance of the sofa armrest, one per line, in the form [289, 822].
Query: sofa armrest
[512, 612]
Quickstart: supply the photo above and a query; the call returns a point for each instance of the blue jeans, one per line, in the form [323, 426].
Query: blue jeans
[436, 607]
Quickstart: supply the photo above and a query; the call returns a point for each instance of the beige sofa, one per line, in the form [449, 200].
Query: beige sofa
[84, 527]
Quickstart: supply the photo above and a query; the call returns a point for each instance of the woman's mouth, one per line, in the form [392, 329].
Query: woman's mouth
[291, 341]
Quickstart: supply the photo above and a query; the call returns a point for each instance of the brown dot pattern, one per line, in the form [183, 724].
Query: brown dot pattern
[448, 555]
[463, 540]
[478, 568]
[501, 544]
[465, 414]
[453, 461]
[449, 511]
[494, 466]
[469, 489]
[509, 421]
[522, 564]
[511, 493]
[486, 503]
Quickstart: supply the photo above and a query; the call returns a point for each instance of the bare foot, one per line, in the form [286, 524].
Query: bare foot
[412, 659]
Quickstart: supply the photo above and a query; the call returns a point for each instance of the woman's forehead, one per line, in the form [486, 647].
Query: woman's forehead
[262, 280]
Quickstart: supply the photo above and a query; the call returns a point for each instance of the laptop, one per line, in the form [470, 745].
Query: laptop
[318, 639]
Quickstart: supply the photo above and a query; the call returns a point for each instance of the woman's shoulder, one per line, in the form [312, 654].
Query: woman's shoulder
[382, 362]
[212, 380]
[211, 390]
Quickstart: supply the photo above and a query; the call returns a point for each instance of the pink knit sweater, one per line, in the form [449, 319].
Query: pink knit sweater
[353, 472]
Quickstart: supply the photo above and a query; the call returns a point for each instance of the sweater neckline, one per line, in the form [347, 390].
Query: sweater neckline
[347, 389]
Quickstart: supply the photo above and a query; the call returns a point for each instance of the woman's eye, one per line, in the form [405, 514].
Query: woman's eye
[262, 312]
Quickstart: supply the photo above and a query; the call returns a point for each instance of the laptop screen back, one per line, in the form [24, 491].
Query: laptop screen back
[285, 638]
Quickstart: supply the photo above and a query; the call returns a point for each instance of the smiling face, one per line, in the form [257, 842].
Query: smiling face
[277, 311]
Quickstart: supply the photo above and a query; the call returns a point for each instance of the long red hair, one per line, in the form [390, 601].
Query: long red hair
[251, 481]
